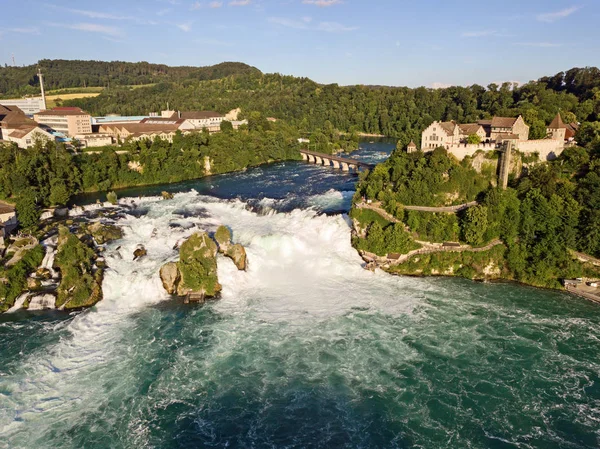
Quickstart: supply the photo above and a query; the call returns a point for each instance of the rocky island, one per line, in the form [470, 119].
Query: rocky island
[194, 276]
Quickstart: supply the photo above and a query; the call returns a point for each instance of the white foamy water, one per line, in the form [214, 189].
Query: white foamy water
[305, 349]
[302, 269]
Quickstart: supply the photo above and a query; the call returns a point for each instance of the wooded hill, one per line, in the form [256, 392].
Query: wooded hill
[65, 74]
[393, 111]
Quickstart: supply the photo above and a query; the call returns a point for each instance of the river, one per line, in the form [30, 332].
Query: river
[304, 350]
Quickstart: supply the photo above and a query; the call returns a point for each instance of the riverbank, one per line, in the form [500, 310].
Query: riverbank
[484, 263]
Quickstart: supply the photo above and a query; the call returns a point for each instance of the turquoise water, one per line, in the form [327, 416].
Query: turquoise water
[306, 349]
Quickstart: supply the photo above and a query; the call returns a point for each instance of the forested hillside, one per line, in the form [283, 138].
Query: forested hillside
[62, 74]
[553, 208]
[393, 111]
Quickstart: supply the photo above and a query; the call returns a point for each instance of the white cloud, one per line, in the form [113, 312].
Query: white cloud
[551, 17]
[334, 27]
[539, 44]
[187, 27]
[91, 27]
[25, 30]
[438, 85]
[322, 3]
[163, 12]
[289, 23]
[240, 3]
[103, 15]
[215, 5]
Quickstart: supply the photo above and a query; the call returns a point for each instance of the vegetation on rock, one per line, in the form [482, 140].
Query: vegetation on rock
[13, 280]
[104, 233]
[80, 286]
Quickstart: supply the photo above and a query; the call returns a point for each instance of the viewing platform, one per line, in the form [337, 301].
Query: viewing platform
[330, 160]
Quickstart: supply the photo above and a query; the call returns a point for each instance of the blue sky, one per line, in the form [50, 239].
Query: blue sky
[392, 42]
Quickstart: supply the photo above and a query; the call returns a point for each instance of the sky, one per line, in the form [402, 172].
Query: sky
[379, 42]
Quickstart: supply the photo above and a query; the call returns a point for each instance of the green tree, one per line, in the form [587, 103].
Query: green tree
[111, 197]
[27, 210]
[474, 224]
[474, 139]
[226, 127]
[59, 194]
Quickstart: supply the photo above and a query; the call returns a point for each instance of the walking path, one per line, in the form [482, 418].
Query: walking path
[376, 206]
[586, 258]
[20, 251]
[427, 247]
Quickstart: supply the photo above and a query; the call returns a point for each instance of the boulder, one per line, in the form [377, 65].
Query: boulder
[223, 238]
[237, 253]
[104, 233]
[170, 276]
[198, 267]
[140, 251]
[33, 283]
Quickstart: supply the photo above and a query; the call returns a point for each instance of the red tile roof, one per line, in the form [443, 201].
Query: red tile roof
[503, 122]
[62, 112]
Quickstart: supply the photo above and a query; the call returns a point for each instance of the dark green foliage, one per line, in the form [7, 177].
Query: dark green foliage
[474, 225]
[366, 216]
[433, 227]
[382, 241]
[392, 111]
[48, 174]
[17, 276]
[79, 287]
[423, 179]
[60, 74]
[27, 211]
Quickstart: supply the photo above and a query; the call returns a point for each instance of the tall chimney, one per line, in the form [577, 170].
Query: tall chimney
[41, 77]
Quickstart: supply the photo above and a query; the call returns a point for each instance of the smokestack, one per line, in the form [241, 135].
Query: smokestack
[41, 77]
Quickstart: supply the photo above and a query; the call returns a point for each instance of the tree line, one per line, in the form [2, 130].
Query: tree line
[49, 175]
[68, 74]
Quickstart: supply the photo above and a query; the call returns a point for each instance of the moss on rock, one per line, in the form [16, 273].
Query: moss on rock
[237, 253]
[104, 233]
[223, 238]
[79, 286]
[198, 267]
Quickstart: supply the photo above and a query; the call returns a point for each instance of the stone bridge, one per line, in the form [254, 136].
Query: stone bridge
[329, 160]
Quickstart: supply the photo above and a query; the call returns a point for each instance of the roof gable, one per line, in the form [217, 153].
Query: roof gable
[503, 122]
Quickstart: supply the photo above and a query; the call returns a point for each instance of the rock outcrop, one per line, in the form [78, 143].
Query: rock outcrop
[170, 276]
[195, 275]
[104, 233]
[140, 251]
[223, 238]
[236, 252]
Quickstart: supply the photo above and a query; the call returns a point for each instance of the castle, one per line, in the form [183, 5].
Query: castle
[494, 133]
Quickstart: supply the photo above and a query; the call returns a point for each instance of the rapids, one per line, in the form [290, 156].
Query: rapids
[305, 349]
